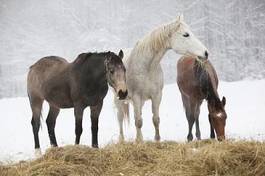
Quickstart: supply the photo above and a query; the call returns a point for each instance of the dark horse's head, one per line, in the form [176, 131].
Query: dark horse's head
[217, 116]
[116, 74]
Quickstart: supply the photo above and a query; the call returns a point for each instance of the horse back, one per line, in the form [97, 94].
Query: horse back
[48, 79]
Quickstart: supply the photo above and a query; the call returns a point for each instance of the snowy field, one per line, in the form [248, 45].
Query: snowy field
[245, 108]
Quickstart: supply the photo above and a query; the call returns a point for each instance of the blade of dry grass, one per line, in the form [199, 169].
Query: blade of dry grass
[207, 157]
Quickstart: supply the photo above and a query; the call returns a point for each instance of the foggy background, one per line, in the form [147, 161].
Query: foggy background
[233, 30]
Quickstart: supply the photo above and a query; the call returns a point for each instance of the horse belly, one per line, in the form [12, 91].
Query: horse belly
[59, 97]
[146, 88]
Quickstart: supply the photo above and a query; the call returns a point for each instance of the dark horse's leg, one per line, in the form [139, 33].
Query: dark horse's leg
[36, 105]
[50, 121]
[211, 128]
[78, 110]
[94, 113]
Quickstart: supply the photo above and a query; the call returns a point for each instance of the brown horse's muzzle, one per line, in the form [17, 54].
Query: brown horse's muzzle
[220, 138]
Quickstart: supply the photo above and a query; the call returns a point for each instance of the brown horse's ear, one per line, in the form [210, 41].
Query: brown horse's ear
[223, 101]
[121, 54]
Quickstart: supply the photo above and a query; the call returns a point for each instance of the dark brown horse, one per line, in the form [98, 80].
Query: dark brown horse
[79, 84]
[198, 81]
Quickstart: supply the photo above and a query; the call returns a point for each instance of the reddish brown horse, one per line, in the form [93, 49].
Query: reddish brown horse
[198, 81]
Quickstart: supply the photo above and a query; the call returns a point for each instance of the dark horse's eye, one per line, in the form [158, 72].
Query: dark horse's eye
[186, 35]
[111, 71]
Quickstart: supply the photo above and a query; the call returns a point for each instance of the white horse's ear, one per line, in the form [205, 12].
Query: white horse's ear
[180, 18]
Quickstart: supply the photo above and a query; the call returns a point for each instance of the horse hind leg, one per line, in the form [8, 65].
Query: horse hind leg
[155, 110]
[191, 120]
[198, 132]
[197, 113]
[50, 121]
[36, 106]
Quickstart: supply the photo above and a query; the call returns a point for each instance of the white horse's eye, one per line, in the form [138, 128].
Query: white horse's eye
[186, 35]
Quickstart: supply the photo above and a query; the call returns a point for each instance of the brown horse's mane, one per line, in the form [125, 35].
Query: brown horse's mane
[205, 82]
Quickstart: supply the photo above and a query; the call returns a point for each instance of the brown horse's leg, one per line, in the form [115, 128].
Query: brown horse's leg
[212, 135]
[94, 114]
[197, 113]
[36, 105]
[189, 110]
[50, 121]
[78, 110]
[191, 123]
[198, 131]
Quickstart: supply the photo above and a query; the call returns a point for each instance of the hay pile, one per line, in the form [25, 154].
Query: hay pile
[155, 159]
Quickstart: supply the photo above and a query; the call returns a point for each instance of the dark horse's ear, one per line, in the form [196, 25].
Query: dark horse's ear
[106, 62]
[121, 54]
[223, 101]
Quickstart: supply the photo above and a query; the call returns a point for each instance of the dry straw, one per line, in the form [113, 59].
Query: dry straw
[233, 158]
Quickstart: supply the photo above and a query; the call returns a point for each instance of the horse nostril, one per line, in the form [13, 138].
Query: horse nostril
[126, 93]
[206, 54]
[122, 95]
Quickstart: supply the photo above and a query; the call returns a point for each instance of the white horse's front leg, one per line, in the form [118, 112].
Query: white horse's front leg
[120, 119]
[120, 115]
[156, 99]
[137, 105]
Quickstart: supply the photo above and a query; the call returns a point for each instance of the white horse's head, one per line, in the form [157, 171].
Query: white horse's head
[183, 41]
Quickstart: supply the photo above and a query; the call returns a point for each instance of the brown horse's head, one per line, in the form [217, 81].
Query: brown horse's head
[218, 117]
[116, 74]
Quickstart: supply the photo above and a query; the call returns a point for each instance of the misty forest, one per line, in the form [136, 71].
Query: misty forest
[232, 30]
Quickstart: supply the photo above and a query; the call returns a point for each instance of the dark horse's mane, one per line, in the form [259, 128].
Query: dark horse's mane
[205, 82]
[83, 57]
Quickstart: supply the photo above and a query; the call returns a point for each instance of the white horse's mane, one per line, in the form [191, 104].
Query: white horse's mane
[157, 39]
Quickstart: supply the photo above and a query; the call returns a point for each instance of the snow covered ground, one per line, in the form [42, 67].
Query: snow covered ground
[245, 108]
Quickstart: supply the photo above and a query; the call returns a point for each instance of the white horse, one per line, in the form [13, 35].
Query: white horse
[144, 75]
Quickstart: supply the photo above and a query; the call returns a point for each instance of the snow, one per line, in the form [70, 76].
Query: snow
[245, 109]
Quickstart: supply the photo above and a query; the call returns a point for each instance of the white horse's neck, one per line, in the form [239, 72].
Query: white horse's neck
[150, 50]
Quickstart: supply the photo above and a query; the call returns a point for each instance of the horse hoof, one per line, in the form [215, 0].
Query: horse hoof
[94, 145]
[121, 139]
[190, 137]
[139, 140]
[157, 138]
[38, 153]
